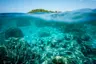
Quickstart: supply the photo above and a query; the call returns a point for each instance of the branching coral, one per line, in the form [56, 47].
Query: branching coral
[49, 46]
[17, 51]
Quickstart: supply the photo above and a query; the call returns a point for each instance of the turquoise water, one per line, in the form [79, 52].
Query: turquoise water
[48, 38]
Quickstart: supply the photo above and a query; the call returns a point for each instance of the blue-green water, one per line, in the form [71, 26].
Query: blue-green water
[48, 38]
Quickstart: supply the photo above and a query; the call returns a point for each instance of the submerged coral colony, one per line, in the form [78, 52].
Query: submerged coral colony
[51, 43]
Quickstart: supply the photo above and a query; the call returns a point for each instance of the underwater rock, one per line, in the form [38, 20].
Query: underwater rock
[59, 60]
[13, 32]
[56, 60]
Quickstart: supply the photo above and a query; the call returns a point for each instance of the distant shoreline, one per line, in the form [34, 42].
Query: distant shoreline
[42, 10]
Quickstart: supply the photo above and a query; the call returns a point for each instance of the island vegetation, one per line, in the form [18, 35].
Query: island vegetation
[42, 10]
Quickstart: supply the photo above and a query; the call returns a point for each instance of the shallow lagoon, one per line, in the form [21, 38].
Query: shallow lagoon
[48, 38]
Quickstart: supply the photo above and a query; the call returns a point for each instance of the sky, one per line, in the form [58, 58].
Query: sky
[25, 6]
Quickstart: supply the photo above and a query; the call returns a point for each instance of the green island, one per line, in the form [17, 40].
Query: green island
[42, 10]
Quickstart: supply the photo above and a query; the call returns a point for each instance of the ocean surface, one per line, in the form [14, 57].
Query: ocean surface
[48, 38]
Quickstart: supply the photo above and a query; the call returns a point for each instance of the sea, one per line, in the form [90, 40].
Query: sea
[48, 38]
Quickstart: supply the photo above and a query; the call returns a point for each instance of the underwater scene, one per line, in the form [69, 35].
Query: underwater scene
[48, 38]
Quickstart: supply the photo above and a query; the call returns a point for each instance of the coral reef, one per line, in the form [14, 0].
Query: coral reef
[17, 51]
[13, 32]
[49, 46]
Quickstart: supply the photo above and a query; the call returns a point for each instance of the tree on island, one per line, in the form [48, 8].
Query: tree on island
[42, 10]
